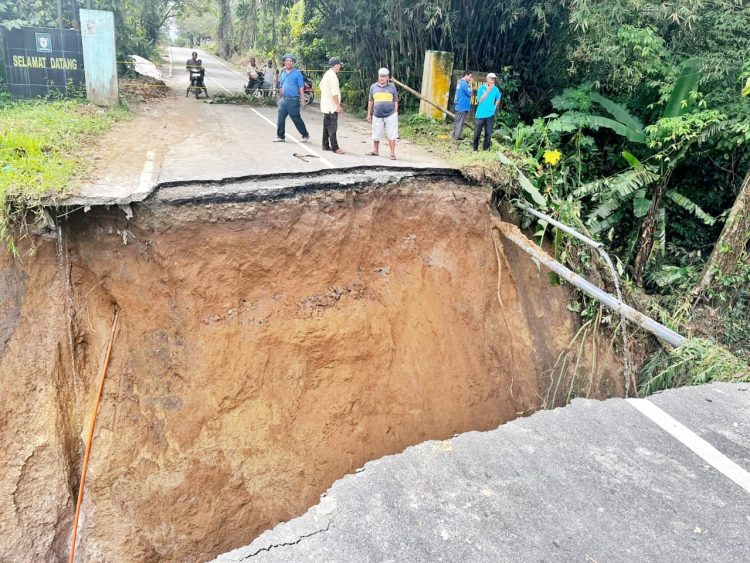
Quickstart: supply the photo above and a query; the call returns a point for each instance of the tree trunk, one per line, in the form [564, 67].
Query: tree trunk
[224, 33]
[648, 228]
[732, 243]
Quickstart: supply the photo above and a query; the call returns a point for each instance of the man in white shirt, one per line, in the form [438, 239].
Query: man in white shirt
[269, 76]
[330, 105]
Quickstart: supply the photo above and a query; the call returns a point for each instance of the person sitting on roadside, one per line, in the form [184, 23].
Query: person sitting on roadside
[269, 75]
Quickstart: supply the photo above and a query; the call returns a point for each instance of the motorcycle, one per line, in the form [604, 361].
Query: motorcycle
[196, 85]
[309, 91]
[255, 87]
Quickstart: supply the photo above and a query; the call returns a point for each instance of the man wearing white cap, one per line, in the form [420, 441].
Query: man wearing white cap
[330, 105]
[488, 98]
[382, 112]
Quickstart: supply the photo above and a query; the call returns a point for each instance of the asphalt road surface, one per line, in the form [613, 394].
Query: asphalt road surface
[662, 479]
[183, 139]
[245, 134]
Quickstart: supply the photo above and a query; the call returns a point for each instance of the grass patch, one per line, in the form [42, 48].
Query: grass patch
[696, 362]
[39, 142]
[481, 166]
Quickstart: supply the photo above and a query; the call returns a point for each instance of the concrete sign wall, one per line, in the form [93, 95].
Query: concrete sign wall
[98, 34]
[40, 60]
[436, 82]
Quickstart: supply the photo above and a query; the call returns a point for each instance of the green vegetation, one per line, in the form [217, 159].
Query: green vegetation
[39, 146]
[697, 361]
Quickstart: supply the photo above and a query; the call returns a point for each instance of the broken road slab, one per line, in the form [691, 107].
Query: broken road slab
[594, 481]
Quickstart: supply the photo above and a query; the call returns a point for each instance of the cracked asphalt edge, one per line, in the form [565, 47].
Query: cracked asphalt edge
[285, 544]
[289, 533]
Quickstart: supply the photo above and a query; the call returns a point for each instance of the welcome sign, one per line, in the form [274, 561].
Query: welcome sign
[39, 60]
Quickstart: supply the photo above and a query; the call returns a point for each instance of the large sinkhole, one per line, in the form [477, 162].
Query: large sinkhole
[265, 349]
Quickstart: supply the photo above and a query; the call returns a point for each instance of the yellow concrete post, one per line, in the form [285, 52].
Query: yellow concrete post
[436, 82]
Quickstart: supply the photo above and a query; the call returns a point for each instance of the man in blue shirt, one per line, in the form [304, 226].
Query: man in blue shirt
[292, 98]
[463, 104]
[488, 98]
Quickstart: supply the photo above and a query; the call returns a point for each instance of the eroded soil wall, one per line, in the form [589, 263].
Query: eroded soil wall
[264, 351]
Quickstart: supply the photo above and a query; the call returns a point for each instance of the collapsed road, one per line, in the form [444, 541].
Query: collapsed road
[663, 479]
[275, 333]
[282, 321]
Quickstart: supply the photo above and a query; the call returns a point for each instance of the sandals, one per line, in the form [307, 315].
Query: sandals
[371, 154]
[393, 157]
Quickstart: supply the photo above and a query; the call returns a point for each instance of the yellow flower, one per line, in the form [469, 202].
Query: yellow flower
[552, 157]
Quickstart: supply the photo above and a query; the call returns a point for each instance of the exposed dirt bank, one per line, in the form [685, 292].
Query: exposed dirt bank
[264, 351]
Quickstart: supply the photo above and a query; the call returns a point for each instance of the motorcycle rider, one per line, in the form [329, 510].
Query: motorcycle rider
[253, 74]
[196, 64]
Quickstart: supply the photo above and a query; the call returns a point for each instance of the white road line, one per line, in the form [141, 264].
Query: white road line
[271, 123]
[307, 148]
[227, 67]
[221, 85]
[695, 443]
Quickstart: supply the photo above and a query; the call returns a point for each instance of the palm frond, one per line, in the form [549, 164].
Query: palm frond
[691, 206]
[597, 227]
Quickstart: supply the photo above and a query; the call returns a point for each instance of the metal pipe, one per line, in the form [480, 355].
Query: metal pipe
[657, 329]
[599, 247]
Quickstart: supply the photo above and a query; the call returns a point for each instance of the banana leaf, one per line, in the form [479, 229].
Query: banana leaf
[619, 112]
[686, 83]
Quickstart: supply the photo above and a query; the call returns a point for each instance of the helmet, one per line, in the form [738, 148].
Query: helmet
[289, 56]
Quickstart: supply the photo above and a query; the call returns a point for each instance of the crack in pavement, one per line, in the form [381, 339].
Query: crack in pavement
[285, 544]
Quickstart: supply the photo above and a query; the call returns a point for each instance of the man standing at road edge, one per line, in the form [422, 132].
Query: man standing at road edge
[330, 105]
[292, 99]
[463, 103]
[382, 112]
[488, 99]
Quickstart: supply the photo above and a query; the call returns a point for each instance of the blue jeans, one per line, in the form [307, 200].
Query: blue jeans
[290, 107]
